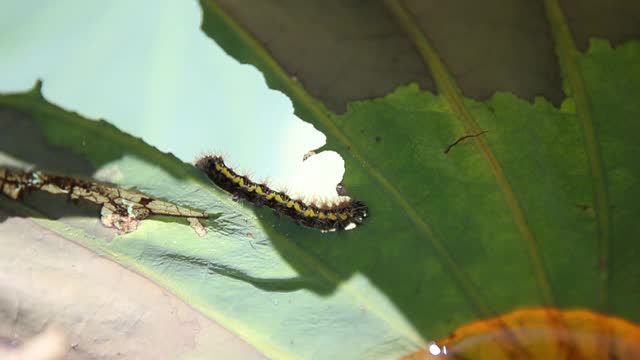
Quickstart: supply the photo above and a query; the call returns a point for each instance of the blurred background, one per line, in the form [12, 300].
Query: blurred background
[146, 67]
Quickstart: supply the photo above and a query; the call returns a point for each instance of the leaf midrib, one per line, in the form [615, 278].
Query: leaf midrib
[567, 51]
[451, 92]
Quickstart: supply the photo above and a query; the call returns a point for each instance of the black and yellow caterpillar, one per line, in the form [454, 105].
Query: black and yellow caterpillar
[341, 216]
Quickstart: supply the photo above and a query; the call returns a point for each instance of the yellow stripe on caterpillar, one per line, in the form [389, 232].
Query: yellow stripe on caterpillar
[238, 180]
[309, 213]
[226, 173]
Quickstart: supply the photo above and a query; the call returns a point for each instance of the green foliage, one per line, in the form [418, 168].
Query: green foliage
[447, 241]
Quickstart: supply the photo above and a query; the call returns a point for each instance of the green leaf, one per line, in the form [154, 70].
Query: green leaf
[234, 275]
[526, 214]
[503, 220]
[341, 52]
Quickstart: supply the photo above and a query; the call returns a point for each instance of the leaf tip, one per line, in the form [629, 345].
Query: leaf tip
[36, 90]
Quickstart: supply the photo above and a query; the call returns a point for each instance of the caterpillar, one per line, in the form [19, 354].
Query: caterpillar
[344, 215]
